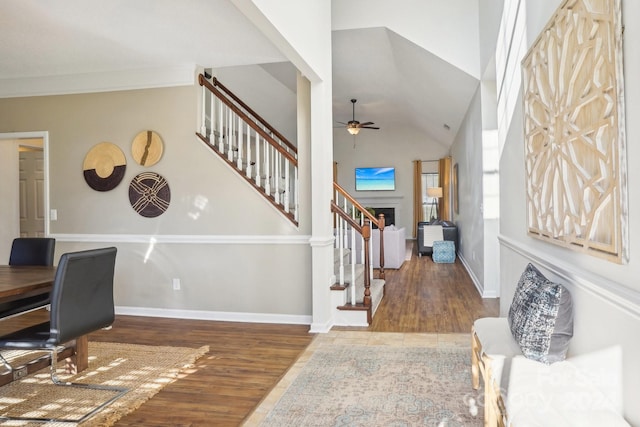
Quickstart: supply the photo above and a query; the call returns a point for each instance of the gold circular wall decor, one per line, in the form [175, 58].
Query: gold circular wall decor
[104, 166]
[147, 148]
[149, 194]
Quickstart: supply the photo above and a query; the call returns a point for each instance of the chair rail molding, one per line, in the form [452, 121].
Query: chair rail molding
[615, 293]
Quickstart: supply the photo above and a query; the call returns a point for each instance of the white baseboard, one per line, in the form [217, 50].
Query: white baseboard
[222, 316]
[476, 281]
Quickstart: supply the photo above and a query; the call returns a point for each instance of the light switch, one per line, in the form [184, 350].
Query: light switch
[53, 216]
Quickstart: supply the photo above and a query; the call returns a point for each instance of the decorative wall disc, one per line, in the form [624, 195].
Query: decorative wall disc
[104, 166]
[147, 148]
[149, 194]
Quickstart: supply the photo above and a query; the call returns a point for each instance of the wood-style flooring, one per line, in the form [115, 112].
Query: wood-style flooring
[246, 360]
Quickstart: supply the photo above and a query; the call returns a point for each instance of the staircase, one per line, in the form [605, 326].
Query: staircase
[250, 146]
[356, 294]
[269, 163]
[346, 313]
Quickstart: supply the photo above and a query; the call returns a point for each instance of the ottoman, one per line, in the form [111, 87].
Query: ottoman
[444, 251]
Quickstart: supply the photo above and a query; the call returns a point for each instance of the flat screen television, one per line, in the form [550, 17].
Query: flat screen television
[375, 179]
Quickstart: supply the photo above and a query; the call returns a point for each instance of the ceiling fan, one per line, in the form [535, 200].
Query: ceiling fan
[354, 126]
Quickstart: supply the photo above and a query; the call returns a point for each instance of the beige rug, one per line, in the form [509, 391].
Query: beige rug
[145, 370]
[350, 378]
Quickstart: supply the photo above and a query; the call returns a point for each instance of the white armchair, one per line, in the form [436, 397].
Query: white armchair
[394, 247]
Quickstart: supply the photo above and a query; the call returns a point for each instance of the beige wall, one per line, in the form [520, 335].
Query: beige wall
[231, 250]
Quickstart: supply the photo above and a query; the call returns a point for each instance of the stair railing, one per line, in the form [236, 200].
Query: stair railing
[250, 145]
[359, 213]
[346, 229]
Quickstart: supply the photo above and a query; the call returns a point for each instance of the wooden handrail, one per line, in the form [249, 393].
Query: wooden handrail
[204, 82]
[266, 124]
[342, 214]
[354, 202]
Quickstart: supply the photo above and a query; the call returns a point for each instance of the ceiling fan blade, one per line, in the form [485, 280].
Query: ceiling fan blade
[366, 124]
[369, 127]
[342, 123]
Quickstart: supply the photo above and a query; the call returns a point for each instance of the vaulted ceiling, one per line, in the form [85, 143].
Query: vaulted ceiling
[397, 82]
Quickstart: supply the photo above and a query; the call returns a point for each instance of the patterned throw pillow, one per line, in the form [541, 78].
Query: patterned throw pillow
[541, 317]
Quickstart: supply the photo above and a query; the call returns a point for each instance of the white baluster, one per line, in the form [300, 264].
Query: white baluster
[212, 119]
[267, 168]
[203, 116]
[239, 143]
[341, 251]
[249, 165]
[230, 139]
[220, 126]
[258, 161]
[276, 175]
[295, 193]
[286, 187]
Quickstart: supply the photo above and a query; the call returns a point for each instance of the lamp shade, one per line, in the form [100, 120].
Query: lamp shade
[353, 130]
[434, 192]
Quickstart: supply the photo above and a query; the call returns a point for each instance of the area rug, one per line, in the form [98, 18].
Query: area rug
[144, 370]
[350, 378]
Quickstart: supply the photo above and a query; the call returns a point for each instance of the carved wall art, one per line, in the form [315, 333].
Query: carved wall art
[575, 149]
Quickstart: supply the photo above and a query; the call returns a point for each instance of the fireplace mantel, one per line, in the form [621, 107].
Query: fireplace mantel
[394, 202]
[380, 201]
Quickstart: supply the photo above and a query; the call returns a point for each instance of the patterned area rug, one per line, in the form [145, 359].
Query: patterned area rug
[376, 379]
[144, 370]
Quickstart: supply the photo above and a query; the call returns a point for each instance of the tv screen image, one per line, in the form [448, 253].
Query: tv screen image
[374, 179]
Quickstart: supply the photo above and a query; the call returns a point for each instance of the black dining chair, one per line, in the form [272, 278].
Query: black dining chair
[32, 251]
[29, 251]
[81, 303]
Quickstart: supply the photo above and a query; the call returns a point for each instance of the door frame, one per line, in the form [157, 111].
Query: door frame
[44, 135]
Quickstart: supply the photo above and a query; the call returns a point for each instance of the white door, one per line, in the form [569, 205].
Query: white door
[31, 189]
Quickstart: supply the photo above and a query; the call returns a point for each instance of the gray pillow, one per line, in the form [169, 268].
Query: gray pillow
[541, 317]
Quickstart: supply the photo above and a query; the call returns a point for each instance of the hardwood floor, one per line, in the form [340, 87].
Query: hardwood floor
[246, 360]
[423, 296]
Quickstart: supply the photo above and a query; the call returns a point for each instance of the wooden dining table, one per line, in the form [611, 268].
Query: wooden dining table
[17, 282]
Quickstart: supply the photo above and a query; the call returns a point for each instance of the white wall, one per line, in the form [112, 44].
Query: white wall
[428, 25]
[606, 295]
[467, 151]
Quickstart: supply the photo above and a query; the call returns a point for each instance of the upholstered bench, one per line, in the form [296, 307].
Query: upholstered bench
[561, 394]
[522, 361]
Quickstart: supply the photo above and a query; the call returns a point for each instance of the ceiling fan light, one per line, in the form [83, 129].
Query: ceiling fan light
[353, 130]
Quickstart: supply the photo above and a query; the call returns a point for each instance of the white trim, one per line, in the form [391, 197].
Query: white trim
[619, 295]
[221, 316]
[319, 242]
[184, 238]
[321, 328]
[111, 81]
[478, 284]
[45, 147]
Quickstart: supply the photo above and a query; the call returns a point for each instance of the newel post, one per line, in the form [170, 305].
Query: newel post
[366, 235]
[381, 228]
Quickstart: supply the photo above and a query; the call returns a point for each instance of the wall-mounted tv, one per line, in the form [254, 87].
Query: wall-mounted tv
[374, 179]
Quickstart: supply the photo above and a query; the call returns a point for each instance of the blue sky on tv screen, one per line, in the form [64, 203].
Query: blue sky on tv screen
[375, 179]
